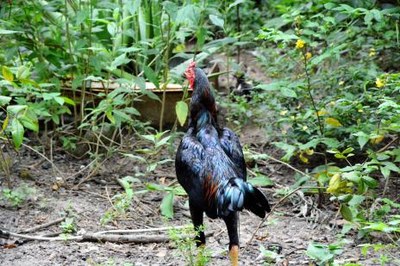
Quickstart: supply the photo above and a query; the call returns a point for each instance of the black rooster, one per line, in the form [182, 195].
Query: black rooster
[210, 167]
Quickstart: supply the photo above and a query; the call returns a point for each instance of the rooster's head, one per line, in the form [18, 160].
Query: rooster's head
[190, 74]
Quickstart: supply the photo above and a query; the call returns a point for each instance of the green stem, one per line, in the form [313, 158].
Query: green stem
[308, 79]
[165, 74]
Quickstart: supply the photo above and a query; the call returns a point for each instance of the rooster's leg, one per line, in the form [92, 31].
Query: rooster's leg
[231, 224]
[197, 219]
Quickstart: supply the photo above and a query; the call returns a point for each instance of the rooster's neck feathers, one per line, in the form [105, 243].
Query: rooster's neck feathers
[202, 101]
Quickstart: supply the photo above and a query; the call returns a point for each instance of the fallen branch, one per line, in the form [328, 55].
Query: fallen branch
[142, 230]
[96, 237]
[41, 226]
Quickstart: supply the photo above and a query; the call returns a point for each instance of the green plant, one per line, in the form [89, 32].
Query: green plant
[386, 252]
[121, 202]
[17, 196]
[184, 241]
[324, 254]
[68, 226]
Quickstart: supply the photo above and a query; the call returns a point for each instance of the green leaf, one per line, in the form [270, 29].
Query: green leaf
[121, 116]
[120, 60]
[167, 205]
[30, 121]
[289, 149]
[333, 122]
[362, 138]
[334, 184]
[7, 74]
[4, 100]
[182, 111]
[356, 200]
[17, 132]
[346, 212]
[151, 75]
[15, 109]
[68, 100]
[385, 171]
[319, 253]
[59, 100]
[261, 181]
[4, 32]
[217, 21]
[5, 123]
[371, 182]
[132, 111]
[201, 34]
[110, 116]
[286, 92]
[23, 72]
[237, 2]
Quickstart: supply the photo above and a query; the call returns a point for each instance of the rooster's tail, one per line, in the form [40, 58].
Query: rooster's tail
[236, 194]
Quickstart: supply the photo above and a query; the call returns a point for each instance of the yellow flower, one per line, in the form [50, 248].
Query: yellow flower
[300, 44]
[379, 83]
[308, 55]
[372, 52]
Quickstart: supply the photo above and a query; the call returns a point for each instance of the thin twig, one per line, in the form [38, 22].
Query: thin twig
[388, 145]
[273, 209]
[42, 226]
[288, 165]
[44, 157]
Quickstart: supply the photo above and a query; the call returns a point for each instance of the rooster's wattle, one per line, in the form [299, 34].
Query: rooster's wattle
[210, 167]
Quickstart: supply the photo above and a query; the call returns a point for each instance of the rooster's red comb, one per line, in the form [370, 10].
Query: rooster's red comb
[192, 65]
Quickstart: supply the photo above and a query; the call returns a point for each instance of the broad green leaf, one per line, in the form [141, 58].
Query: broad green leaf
[201, 35]
[29, 121]
[261, 181]
[120, 60]
[7, 74]
[319, 253]
[289, 149]
[286, 92]
[385, 171]
[68, 100]
[4, 100]
[371, 182]
[237, 2]
[121, 116]
[182, 111]
[59, 100]
[333, 122]
[17, 132]
[151, 95]
[391, 166]
[110, 116]
[167, 205]
[362, 138]
[23, 73]
[15, 109]
[132, 111]
[217, 21]
[334, 184]
[151, 76]
[346, 212]
[356, 200]
[50, 95]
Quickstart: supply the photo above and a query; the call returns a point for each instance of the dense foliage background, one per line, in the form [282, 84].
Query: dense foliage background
[332, 105]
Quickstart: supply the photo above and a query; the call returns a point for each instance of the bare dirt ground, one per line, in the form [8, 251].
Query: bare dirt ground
[291, 227]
